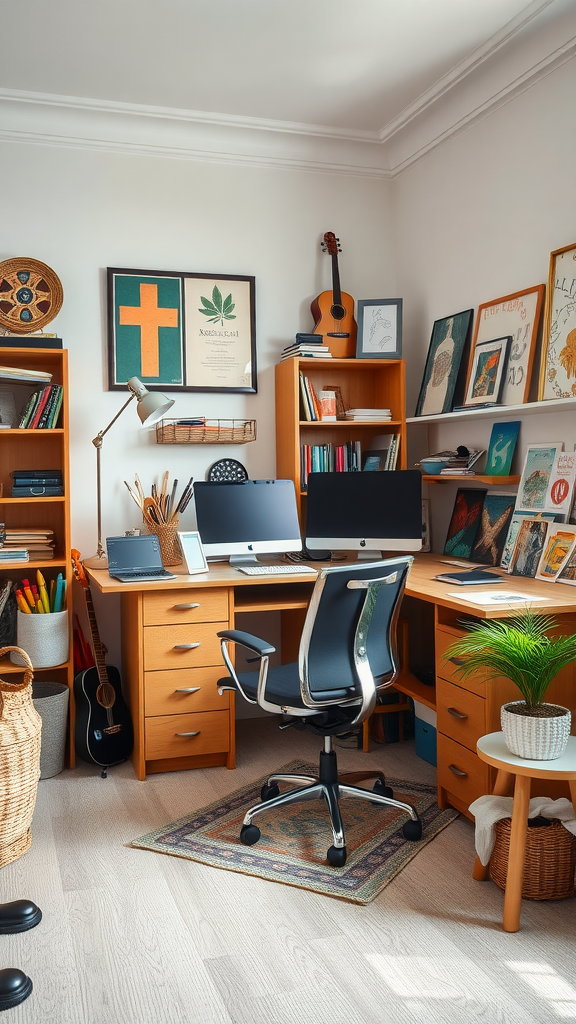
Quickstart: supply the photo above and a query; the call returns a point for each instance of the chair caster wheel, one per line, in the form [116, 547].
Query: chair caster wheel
[337, 856]
[412, 830]
[383, 790]
[269, 792]
[249, 834]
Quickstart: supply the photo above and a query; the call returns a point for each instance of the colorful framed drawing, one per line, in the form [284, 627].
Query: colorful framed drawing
[447, 348]
[501, 448]
[513, 529]
[558, 364]
[487, 370]
[529, 546]
[560, 542]
[379, 329]
[561, 484]
[517, 315]
[181, 331]
[464, 522]
[533, 486]
[567, 573]
[497, 512]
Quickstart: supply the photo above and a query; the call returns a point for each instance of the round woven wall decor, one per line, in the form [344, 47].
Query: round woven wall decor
[30, 295]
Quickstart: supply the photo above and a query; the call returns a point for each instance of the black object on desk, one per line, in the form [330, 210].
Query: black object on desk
[473, 577]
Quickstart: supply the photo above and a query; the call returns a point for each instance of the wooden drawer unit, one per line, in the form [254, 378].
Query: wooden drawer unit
[461, 714]
[179, 693]
[448, 668]
[462, 776]
[176, 606]
[186, 645]
[173, 736]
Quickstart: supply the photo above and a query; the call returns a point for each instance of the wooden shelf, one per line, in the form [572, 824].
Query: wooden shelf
[27, 431]
[32, 500]
[412, 687]
[478, 478]
[528, 409]
[351, 423]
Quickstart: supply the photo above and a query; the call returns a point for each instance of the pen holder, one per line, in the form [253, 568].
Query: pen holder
[43, 637]
[167, 534]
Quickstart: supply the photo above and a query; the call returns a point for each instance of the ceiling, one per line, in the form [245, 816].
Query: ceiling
[350, 65]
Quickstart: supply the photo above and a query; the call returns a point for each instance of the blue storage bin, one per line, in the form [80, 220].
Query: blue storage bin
[425, 736]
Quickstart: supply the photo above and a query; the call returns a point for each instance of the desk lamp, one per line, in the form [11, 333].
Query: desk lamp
[150, 407]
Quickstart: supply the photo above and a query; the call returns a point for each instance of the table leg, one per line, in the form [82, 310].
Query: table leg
[515, 874]
[501, 788]
[573, 794]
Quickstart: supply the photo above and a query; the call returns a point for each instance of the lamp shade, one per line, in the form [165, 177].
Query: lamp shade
[151, 405]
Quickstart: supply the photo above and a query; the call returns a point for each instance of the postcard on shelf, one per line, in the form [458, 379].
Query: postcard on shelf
[497, 512]
[501, 597]
[538, 466]
[529, 546]
[513, 529]
[501, 448]
[560, 543]
[567, 573]
[464, 522]
[560, 492]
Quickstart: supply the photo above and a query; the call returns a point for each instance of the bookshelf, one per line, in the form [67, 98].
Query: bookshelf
[364, 383]
[39, 449]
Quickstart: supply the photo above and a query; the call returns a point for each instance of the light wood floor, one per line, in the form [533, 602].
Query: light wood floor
[134, 937]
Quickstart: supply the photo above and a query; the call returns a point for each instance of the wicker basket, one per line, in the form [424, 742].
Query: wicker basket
[210, 432]
[167, 534]
[20, 728]
[549, 862]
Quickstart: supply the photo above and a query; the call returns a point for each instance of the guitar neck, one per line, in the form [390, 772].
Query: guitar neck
[336, 292]
[97, 648]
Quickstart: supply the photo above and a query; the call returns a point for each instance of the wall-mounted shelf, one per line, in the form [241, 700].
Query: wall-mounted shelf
[476, 478]
[528, 409]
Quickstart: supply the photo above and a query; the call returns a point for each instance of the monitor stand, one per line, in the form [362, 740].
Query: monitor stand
[368, 556]
[237, 560]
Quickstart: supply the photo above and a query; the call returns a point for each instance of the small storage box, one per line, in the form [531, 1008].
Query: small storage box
[425, 732]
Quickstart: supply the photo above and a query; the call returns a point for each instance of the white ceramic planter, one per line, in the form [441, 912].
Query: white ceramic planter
[538, 739]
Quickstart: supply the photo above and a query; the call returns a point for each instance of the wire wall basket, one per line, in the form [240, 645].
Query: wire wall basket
[205, 432]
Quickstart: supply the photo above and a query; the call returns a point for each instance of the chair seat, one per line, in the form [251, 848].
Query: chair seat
[282, 686]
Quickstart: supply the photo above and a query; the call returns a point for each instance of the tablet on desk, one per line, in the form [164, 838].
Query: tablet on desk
[474, 577]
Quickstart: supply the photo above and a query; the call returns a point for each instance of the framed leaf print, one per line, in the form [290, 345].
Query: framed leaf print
[181, 331]
[517, 315]
[558, 366]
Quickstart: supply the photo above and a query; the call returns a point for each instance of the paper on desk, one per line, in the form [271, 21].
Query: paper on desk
[489, 597]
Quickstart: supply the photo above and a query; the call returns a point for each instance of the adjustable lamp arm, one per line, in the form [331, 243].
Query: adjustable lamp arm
[97, 441]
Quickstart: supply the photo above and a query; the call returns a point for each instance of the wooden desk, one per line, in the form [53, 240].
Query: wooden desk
[157, 617]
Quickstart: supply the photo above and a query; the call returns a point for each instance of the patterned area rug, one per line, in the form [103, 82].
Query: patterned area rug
[295, 838]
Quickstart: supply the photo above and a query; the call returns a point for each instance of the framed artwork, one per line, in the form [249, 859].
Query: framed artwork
[497, 512]
[533, 486]
[560, 492]
[529, 546]
[501, 448]
[447, 347]
[464, 522]
[181, 331]
[487, 371]
[567, 572]
[558, 365]
[559, 544]
[379, 329]
[517, 315]
[513, 530]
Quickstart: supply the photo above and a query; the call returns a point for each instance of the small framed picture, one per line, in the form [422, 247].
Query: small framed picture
[487, 371]
[519, 316]
[448, 343]
[379, 329]
[193, 557]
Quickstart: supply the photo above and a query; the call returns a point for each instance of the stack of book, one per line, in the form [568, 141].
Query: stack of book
[43, 408]
[37, 483]
[20, 545]
[26, 376]
[459, 464]
[307, 346]
[13, 555]
[328, 458]
[369, 415]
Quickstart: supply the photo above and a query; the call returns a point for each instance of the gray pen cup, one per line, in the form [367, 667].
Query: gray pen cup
[45, 639]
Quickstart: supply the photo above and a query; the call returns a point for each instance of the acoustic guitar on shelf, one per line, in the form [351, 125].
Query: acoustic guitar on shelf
[103, 733]
[333, 311]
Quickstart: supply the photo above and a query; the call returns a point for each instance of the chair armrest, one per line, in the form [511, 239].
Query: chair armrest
[252, 643]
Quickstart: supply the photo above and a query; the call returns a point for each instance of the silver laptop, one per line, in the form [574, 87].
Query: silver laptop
[136, 559]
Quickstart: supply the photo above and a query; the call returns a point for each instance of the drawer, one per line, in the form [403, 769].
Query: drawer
[166, 646]
[448, 669]
[163, 736]
[203, 605]
[461, 772]
[461, 714]
[165, 692]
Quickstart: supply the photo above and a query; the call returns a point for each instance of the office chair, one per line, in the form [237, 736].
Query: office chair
[347, 656]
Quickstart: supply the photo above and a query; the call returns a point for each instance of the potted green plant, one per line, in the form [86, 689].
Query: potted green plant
[521, 649]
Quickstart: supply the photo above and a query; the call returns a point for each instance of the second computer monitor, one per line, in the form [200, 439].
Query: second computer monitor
[241, 520]
[373, 512]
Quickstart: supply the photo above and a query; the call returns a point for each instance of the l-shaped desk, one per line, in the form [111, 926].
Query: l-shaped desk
[171, 662]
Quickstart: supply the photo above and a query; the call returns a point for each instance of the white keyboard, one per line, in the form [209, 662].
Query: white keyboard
[277, 570]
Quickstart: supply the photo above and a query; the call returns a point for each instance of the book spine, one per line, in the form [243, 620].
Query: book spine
[44, 395]
[57, 406]
[29, 409]
[314, 400]
[304, 396]
[48, 408]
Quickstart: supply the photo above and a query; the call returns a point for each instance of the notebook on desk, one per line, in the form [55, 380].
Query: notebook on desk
[136, 559]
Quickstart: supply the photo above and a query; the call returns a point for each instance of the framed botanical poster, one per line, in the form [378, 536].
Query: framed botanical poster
[558, 366]
[538, 466]
[447, 346]
[181, 331]
[379, 329]
[487, 372]
[517, 315]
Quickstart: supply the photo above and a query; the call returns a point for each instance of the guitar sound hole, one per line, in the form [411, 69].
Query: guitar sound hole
[338, 312]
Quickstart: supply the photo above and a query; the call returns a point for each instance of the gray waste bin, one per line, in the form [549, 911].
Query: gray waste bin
[51, 703]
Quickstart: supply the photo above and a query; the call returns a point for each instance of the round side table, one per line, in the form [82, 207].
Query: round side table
[520, 771]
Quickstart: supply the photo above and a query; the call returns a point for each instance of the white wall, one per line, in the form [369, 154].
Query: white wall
[477, 220]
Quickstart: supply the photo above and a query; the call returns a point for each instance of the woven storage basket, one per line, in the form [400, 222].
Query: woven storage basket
[167, 534]
[549, 862]
[20, 728]
[210, 432]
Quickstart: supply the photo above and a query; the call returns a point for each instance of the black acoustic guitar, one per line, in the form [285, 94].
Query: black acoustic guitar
[103, 733]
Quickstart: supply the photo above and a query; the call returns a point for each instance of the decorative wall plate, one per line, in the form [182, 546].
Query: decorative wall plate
[30, 295]
[226, 469]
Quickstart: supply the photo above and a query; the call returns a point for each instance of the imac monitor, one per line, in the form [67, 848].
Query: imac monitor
[365, 512]
[252, 517]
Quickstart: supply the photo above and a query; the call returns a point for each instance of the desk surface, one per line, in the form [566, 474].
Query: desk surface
[554, 598]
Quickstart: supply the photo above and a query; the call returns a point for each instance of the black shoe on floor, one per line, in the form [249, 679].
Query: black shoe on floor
[15, 987]
[18, 916]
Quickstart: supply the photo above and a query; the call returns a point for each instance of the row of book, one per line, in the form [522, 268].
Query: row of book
[27, 543]
[329, 458]
[43, 408]
[311, 410]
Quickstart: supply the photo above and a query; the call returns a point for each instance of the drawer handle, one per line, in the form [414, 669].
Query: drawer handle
[197, 733]
[188, 689]
[184, 647]
[458, 661]
[456, 714]
[456, 771]
[185, 607]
